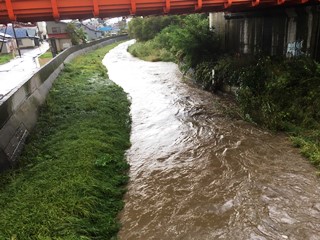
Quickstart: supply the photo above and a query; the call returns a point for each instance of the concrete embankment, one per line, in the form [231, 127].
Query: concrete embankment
[19, 110]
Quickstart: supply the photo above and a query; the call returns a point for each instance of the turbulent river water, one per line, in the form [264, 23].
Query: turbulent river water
[196, 174]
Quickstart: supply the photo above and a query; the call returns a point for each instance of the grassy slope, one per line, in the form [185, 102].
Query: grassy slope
[4, 58]
[148, 51]
[73, 173]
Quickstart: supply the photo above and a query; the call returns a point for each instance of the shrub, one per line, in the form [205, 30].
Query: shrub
[203, 76]
[194, 40]
[183, 38]
[144, 29]
[276, 93]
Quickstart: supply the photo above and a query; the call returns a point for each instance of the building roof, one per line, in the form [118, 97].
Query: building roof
[89, 28]
[31, 33]
[5, 35]
[20, 32]
[105, 29]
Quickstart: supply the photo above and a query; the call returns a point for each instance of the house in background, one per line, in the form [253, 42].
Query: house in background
[42, 26]
[91, 33]
[26, 37]
[57, 32]
[106, 29]
[110, 31]
[7, 43]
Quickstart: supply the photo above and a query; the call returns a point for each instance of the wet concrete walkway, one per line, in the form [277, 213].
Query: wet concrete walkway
[18, 70]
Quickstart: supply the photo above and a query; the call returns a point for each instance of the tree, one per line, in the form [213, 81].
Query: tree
[76, 34]
[195, 40]
[144, 29]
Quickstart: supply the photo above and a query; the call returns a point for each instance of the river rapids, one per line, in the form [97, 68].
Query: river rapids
[197, 174]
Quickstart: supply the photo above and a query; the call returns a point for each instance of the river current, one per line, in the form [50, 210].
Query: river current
[197, 174]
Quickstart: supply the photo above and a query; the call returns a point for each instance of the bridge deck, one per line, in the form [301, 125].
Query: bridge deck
[36, 10]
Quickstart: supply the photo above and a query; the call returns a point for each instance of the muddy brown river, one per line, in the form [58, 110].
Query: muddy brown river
[196, 174]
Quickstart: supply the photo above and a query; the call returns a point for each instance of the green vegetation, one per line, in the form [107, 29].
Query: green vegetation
[4, 58]
[46, 55]
[45, 58]
[148, 51]
[277, 93]
[187, 39]
[76, 34]
[144, 29]
[73, 173]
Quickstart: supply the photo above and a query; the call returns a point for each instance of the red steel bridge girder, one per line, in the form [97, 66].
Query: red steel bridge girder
[45, 10]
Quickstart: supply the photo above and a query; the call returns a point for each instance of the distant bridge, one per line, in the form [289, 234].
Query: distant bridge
[46, 10]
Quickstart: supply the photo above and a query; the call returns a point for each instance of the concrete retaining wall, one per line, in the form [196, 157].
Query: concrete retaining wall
[279, 31]
[19, 110]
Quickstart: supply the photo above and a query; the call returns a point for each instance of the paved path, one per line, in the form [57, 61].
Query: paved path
[18, 70]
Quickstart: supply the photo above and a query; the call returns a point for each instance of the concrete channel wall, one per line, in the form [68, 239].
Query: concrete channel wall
[19, 110]
[279, 31]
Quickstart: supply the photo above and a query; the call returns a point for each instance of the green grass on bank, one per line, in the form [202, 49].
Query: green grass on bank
[308, 140]
[73, 172]
[47, 54]
[45, 58]
[149, 51]
[4, 58]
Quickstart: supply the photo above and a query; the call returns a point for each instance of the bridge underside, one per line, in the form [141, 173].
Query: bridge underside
[289, 32]
[45, 10]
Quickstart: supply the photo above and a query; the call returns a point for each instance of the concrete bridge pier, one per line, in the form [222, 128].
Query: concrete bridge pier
[289, 32]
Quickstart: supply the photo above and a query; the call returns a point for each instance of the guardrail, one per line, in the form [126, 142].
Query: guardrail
[19, 110]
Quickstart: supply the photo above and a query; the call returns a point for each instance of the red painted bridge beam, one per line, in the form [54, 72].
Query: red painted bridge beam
[38, 10]
[10, 12]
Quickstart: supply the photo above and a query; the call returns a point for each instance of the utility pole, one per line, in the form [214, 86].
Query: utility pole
[4, 37]
[15, 36]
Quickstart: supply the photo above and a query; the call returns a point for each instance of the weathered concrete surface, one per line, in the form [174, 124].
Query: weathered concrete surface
[19, 109]
[290, 32]
[19, 70]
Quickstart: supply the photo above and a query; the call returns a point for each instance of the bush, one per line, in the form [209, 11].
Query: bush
[185, 38]
[277, 93]
[194, 40]
[203, 76]
[144, 29]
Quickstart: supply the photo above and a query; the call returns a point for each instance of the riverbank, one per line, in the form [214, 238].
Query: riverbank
[72, 175]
